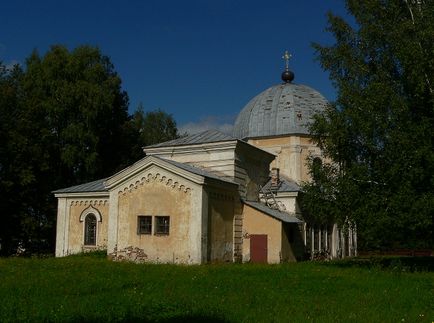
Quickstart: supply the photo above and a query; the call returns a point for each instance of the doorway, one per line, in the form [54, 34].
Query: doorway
[258, 248]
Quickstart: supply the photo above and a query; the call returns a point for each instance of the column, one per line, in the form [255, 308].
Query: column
[312, 240]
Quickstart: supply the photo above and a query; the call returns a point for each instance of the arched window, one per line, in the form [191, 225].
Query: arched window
[90, 230]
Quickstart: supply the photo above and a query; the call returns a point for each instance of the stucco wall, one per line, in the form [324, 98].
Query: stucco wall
[221, 225]
[251, 170]
[292, 153]
[75, 234]
[255, 222]
[233, 160]
[158, 197]
[292, 242]
[218, 161]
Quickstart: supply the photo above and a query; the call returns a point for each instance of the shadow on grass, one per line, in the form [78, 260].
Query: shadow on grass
[180, 318]
[393, 263]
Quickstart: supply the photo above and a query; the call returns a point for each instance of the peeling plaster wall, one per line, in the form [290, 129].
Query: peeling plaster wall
[219, 162]
[292, 153]
[76, 227]
[289, 201]
[255, 222]
[238, 162]
[221, 225]
[251, 171]
[161, 193]
[70, 230]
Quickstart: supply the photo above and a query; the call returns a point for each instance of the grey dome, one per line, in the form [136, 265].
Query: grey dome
[280, 110]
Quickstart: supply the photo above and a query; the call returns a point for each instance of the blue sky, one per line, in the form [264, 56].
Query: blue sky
[200, 61]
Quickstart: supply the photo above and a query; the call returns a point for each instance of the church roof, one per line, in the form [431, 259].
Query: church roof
[99, 186]
[279, 215]
[198, 138]
[283, 109]
[196, 170]
[95, 186]
[285, 185]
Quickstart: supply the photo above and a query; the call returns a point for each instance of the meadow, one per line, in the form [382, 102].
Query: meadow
[90, 288]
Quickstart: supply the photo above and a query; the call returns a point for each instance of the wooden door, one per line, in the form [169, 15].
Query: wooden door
[258, 248]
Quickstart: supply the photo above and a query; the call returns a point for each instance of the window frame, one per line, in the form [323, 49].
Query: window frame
[162, 229]
[139, 226]
[87, 223]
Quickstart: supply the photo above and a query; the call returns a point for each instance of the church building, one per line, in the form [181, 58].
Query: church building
[212, 197]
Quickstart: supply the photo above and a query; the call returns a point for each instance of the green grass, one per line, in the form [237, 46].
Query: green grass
[89, 288]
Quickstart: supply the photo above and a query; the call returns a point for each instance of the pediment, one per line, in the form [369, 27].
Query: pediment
[150, 169]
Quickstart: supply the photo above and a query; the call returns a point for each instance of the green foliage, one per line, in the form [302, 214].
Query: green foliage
[151, 127]
[88, 288]
[63, 121]
[378, 134]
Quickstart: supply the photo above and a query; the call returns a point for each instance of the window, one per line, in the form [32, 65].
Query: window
[90, 230]
[162, 224]
[144, 224]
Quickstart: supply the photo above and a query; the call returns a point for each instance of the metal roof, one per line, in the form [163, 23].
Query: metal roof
[95, 186]
[98, 185]
[198, 138]
[279, 215]
[285, 185]
[196, 170]
[280, 110]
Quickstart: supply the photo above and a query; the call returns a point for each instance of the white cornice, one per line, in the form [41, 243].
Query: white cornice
[286, 194]
[82, 194]
[188, 149]
[145, 163]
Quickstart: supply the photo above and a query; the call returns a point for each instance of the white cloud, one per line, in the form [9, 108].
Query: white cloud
[9, 66]
[221, 123]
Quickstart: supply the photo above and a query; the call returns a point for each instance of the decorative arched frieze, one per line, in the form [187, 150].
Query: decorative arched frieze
[150, 178]
[88, 202]
[90, 210]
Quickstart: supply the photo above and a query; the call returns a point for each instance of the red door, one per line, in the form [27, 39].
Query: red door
[258, 248]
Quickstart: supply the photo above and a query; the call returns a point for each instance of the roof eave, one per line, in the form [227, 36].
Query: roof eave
[82, 194]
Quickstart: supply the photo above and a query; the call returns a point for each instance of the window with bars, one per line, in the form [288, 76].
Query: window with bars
[144, 224]
[90, 230]
[162, 225]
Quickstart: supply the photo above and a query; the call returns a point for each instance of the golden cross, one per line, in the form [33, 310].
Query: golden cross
[287, 56]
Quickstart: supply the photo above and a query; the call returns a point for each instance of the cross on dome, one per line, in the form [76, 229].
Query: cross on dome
[287, 75]
[287, 56]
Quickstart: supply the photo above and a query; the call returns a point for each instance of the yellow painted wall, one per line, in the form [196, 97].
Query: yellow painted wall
[255, 222]
[221, 206]
[292, 242]
[76, 227]
[156, 198]
[292, 153]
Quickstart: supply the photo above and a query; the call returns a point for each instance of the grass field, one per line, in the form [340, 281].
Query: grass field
[89, 288]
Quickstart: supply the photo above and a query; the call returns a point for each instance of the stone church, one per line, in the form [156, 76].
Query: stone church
[212, 197]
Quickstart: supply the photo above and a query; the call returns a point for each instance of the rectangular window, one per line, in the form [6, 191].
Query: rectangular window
[162, 224]
[144, 224]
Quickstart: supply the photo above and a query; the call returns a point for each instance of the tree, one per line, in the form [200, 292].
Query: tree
[11, 177]
[67, 119]
[63, 121]
[378, 134]
[151, 127]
